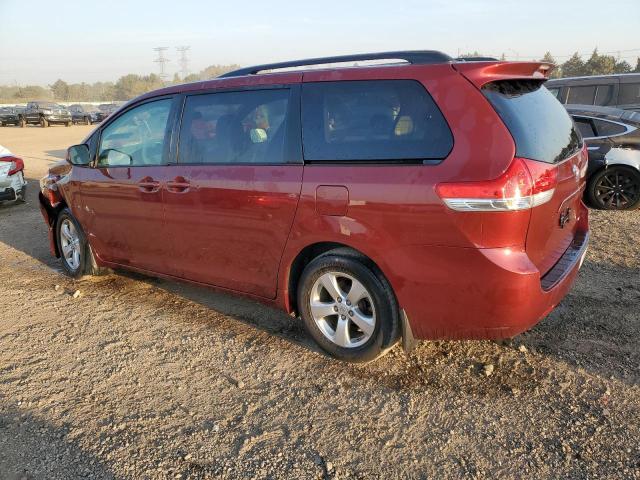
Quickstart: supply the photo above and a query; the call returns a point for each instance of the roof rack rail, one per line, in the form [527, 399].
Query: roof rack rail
[477, 59]
[415, 57]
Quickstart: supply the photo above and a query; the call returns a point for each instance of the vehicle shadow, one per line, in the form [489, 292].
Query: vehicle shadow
[60, 153]
[250, 312]
[596, 327]
[23, 228]
[593, 329]
[34, 449]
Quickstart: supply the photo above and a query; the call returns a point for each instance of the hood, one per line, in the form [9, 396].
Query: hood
[60, 168]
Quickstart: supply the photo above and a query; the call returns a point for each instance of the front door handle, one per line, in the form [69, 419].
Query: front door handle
[148, 185]
[178, 185]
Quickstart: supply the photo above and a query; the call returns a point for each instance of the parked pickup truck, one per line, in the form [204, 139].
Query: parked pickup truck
[10, 115]
[45, 114]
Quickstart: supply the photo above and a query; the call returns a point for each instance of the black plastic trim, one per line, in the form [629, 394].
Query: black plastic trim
[414, 57]
[567, 261]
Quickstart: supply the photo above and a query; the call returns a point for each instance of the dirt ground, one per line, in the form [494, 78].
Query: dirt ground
[139, 378]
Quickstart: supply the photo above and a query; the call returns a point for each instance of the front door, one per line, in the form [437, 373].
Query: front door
[120, 203]
[230, 207]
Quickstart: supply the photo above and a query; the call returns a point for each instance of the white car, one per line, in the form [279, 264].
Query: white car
[13, 186]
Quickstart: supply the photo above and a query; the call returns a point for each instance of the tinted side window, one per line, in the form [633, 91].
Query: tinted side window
[586, 127]
[606, 129]
[234, 127]
[582, 95]
[604, 95]
[629, 94]
[372, 120]
[137, 137]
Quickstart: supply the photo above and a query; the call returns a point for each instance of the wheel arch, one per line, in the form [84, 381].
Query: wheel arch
[52, 214]
[309, 253]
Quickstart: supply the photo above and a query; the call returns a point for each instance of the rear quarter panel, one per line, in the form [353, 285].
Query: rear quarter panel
[394, 205]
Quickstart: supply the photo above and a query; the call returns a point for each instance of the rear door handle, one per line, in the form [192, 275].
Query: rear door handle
[148, 185]
[178, 185]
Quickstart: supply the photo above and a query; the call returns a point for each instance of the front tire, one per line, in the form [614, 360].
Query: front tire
[348, 307]
[44, 123]
[615, 188]
[75, 253]
[22, 123]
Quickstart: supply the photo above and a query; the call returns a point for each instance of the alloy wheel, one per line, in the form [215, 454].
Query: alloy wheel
[70, 244]
[343, 309]
[617, 190]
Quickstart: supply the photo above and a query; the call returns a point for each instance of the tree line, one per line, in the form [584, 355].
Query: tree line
[132, 85]
[596, 64]
[125, 88]
[575, 66]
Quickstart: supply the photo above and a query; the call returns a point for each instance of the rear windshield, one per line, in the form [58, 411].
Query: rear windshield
[540, 126]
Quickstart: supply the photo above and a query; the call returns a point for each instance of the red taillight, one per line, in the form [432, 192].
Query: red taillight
[16, 164]
[525, 184]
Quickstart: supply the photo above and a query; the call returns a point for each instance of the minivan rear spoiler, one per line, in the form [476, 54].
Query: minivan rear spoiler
[481, 73]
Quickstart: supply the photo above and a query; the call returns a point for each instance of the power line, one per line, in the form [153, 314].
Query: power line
[184, 60]
[162, 61]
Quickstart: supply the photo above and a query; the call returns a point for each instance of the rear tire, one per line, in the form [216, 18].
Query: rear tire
[87, 121]
[22, 122]
[348, 308]
[21, 196]
[614, 188]
[44, 123]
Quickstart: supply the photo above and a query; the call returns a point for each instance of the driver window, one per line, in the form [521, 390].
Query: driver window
[137, 137]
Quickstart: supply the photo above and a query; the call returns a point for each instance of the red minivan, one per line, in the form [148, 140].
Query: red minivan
[419, 198]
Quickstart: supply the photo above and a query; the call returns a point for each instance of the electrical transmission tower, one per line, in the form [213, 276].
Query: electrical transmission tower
[162, 61]
[184, 60]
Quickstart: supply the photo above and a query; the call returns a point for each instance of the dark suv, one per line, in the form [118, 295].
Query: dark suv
[45, 114]
[424, 198]
[621, 91]
[87, 114]
[10, 115]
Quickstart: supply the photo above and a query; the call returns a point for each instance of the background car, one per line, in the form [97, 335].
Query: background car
[108, 108]
[86, 114]
[10, 115]
[44, 114]
[621, 91]
[613, 141]
[13, 186]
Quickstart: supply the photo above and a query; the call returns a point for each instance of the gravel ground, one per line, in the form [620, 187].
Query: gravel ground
[139, 378]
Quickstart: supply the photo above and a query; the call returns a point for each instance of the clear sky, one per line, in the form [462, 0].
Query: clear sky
[93, 40]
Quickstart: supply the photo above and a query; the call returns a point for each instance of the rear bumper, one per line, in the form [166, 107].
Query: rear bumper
[7, 194]
[57, 118]
[467, 293]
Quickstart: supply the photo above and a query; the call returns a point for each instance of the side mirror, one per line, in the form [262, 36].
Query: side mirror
[78, 155]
